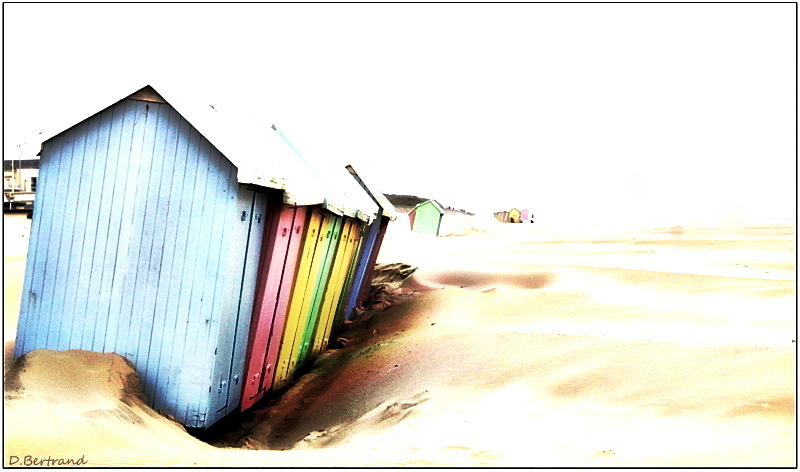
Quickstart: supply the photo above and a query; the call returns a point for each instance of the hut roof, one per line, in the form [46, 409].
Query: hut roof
[387, 209]
[435, 204]
[343, 195]
[262, 156]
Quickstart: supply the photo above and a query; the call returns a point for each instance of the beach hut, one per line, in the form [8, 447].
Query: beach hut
[286, 336]
[426, 218]
[524, 215]
[158, 230]
[365, 266]
[514, 216]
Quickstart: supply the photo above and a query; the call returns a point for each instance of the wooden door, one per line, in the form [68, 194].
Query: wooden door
[322, 286]
[296, 304]
[338, 280]
[244, 255]
[311, 296]
[281, 248]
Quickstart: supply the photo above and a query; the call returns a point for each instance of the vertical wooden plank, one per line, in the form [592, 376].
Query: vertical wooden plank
[287, 283]
[373, 258]
[221, 350]
[282, 373]
[150, 261]
[123, 136]
[72, 237]
[338, 282]
[169, 290]
[83, 320]
[359, 279]
[222, 321]
[32, 322]
[334, 291]
[59, 327]
[249, 279]
[275, 245]
[341, 310]
[123, 277]
[134, 301]
[108, 157]
[322, 287]
[312, 289]
[201, 317]
[189, 224]
[163, 253]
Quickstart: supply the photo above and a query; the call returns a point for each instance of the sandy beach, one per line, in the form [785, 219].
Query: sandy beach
[513, 345]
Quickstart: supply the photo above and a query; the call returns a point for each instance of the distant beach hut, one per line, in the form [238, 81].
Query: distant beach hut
[426, 218]
[524, 215]
[514, 216]
[173, 236]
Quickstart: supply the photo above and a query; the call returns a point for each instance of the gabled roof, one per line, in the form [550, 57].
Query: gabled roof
[386, 207]
[433, 202]
[343, 196]
[262, 156]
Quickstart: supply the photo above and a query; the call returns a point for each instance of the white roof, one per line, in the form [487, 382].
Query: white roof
[387, 209]
[343, 195]
[435, 204]
[262, 156]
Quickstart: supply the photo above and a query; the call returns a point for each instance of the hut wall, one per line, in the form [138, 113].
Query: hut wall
[428, 219]
[361, 269]
[342, 312]
[330, 244]
[283, 236]
[131, 252]
[342, 264]
[302, 295]
[373, 259]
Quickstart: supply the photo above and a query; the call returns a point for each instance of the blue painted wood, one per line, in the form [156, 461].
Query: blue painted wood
[186, 231]
[102, 253]
[137, 301]
[240, 224]
[165, 312]
[129, 227]
[88, 211]
[361, 268]
[244, 250]
[162, 254]
[131, 252]
[197, 370]
[123, 184]
[61, 326]
[28, 327]
[247, 299]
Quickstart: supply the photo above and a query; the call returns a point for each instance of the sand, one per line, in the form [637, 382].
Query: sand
[513, 345]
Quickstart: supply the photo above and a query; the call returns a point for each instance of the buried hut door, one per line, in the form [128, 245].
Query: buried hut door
[244, 255]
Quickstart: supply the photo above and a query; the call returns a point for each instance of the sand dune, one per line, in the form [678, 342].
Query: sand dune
[514, 345]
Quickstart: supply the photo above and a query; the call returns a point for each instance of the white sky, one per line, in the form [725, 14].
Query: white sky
[579, 112]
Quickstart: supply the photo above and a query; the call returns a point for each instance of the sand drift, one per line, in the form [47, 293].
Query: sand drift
[509, 345]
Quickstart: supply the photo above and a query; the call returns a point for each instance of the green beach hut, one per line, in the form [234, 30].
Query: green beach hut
[426, 218]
